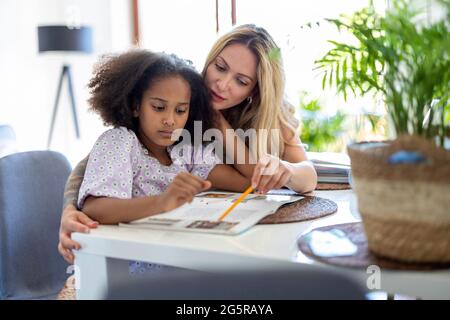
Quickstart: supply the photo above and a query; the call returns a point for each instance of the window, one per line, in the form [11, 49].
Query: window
[301, 31]
[287, 21]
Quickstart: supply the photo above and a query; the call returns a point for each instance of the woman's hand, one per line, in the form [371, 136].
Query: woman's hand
[72, 220]
[271, 173]
[182, 189]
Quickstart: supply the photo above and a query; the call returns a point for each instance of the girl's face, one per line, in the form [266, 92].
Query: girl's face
[231, 77]
[164, 108]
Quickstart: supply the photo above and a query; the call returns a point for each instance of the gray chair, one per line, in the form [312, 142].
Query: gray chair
[31, 195]
[317, 284]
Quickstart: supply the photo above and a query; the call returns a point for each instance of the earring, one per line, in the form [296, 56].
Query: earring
[249, 101]
[247, 105]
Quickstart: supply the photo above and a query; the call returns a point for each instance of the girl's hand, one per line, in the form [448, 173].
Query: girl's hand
[182, 189]
[72, 220]
[271, 173]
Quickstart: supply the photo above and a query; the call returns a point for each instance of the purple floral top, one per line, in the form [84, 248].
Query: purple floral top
[120, 166]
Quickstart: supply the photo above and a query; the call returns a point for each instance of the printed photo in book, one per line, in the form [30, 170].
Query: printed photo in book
[204, 212]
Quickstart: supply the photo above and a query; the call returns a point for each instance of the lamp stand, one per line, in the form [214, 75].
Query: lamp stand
[65, 71]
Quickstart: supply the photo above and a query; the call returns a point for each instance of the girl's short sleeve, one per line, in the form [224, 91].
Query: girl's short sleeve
[109, 172]
[204, 160]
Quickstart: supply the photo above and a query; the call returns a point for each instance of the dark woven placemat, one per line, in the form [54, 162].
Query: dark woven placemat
[307, 208]
[363, 257]
[333, 186]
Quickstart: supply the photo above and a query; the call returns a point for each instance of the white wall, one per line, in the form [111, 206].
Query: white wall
[28, 81]
[184, 27]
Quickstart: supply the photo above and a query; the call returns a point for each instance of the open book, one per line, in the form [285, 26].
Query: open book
[202, 214]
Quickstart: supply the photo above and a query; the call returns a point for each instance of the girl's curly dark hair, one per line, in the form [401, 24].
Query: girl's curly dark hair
[120, 81]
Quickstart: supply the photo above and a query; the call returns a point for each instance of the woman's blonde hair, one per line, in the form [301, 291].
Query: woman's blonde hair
[267, 110]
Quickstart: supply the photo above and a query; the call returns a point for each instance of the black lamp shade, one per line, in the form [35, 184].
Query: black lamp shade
[61, 38]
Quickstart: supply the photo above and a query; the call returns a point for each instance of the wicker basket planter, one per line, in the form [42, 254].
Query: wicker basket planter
[405, 208]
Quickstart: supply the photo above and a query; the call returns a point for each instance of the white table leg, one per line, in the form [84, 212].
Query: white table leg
[91, 274]
[95, 274]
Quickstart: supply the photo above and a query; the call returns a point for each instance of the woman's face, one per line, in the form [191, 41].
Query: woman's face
[231, 77]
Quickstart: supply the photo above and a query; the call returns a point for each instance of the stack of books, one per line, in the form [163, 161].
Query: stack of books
[331, 167]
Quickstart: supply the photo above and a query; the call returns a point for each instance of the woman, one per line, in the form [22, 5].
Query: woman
[245, 76]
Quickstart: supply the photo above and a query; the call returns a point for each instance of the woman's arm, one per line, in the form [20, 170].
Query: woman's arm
[304, 176]
[293, 170]
[234, 146]
[225, 177]
[74, 183]
[73, 220]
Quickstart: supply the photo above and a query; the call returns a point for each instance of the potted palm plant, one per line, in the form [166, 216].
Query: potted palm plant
[402, 185]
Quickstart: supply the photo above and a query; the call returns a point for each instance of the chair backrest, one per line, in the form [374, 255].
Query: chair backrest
[240, 285]
[31, 195]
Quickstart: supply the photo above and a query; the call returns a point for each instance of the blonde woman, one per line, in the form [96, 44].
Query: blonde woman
[245, 75]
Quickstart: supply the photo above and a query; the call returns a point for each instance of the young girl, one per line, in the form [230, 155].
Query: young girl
[134, 169]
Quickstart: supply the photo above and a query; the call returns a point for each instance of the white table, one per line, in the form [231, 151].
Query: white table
[106, 250]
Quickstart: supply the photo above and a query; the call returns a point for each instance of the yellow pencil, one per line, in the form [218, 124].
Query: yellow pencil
[246, 192]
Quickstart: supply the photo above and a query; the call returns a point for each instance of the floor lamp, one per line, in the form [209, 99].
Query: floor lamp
[62, 38]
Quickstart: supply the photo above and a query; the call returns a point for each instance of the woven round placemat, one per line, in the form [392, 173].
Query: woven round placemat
[363, 257]
[333, 186]
[307, 208]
